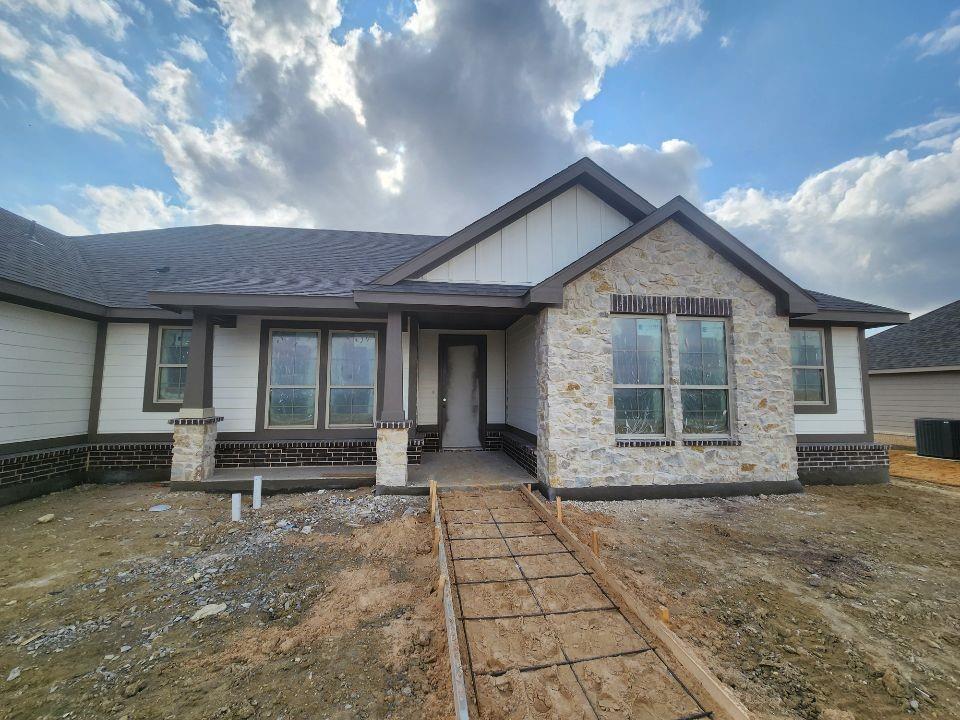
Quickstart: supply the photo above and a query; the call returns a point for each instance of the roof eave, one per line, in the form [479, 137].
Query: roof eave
[853, 317]
[248, 302]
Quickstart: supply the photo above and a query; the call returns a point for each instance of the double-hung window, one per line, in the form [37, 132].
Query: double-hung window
[704, 384]
[293, 379]
[352, 379]
[172, 356]
[638, 376]
[809, 366]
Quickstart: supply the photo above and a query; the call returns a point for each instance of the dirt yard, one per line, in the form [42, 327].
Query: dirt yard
[840, 604]
[320, 607]
[907, 464]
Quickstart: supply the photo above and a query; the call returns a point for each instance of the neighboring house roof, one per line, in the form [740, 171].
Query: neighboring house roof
[234, 266]
[928, 341]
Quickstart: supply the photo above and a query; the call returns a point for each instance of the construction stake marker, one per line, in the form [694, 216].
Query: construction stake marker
[595, 542]
[559, 510]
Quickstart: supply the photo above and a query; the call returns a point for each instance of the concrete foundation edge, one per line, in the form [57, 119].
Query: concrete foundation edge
[671, 492]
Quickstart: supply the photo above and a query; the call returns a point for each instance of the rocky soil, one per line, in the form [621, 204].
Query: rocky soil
[839, 604]
[318, 606]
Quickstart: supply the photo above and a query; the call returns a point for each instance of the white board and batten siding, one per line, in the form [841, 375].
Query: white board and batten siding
[46, 371]
[428, 374]
[849, 418]
[236, 361]
[521, 355]
[535, 246]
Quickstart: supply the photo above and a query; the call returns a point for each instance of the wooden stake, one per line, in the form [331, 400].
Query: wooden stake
[436, 539]
[440, 583]
[595, 542]
[559, 510]
[665, 614]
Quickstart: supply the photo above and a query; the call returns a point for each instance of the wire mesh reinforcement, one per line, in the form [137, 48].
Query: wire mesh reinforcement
[472, 516]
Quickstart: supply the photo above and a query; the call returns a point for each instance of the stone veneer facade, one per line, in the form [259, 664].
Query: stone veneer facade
[576, 443]
[194, 449]
[392, 455]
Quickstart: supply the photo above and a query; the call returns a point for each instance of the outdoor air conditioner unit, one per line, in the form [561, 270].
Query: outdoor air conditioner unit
[938, 437]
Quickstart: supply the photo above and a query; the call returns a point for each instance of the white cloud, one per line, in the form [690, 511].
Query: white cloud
[423, 19]
[82, 88]
[183, 8]
[726, 41]
[53, 218]
[105, 14]
[879, 227]
[944, 39]
[119, 208]
[191, 49]
[935, 135]
[12, 45]
[172, 90]
[612, 28]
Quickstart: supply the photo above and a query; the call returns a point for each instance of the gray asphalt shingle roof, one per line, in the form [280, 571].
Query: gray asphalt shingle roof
[119, 269]
[931, 340]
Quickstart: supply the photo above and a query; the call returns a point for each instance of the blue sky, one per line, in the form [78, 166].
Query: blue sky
[823, 134]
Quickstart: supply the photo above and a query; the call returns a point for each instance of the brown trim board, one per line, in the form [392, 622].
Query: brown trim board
[865, 382]
[96, 383]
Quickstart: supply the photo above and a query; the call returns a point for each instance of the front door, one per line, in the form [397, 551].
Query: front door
[462, 390]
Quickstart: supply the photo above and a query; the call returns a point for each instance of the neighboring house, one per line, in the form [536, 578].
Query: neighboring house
[613, 348]
[915, 373]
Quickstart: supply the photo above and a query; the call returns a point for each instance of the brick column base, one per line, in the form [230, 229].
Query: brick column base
[194, 449]
[392, 454]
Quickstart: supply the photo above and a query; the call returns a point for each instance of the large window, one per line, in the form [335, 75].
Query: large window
[704, 389]
[293, 378]
[809, 366]
[638, 376]
[352, 379]
[173, 353]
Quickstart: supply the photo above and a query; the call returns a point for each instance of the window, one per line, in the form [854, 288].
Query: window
[352, 379]
[638, 377]
[809, 366]
[292, 379]
[704, 390]
[172, 356]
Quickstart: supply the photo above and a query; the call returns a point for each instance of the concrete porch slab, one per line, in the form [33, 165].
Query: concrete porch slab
[284, 479]
[459, 469]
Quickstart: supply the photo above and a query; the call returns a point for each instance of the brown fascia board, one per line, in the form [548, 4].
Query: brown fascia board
[240, 301]
[584, 172]
[438, 300]
[853, 317]
[791, 299]
[31, 296]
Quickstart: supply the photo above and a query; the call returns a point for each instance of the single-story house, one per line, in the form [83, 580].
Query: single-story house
[610, 347]
[915, 373]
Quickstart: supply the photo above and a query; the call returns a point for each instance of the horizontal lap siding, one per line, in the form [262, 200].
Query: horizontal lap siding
[849, 418]
[900, 398]
[46, 371]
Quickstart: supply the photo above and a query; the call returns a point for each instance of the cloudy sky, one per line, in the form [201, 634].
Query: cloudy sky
[826, 135]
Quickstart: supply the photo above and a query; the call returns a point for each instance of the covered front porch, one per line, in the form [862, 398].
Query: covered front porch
[454, 400]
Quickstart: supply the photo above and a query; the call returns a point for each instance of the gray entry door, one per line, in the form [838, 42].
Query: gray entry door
[460, 395]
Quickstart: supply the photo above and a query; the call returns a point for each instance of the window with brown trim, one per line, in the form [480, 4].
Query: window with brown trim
[168, 352]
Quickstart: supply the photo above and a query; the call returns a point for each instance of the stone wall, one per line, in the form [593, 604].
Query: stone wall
[392, 456]
[576, 443]
[194, 451]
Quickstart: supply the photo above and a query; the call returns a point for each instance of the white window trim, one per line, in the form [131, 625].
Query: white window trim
[822, 368]
[158, 364]
[376, 374]
[270, 386]
[665, 364]
[726, 387]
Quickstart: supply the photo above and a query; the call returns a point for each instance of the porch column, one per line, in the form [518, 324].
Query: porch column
[392, 425]
[195, 429]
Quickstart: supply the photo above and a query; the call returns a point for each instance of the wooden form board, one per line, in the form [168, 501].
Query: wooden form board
[718, 693]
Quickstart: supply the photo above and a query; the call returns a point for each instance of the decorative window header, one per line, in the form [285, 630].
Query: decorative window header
[668, 304]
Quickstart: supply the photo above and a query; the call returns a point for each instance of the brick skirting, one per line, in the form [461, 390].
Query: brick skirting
[843, 463]
[522, 452]
[36, 472]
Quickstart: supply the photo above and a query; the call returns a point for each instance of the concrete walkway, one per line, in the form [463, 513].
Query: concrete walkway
[466, 468]
[540, 631]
